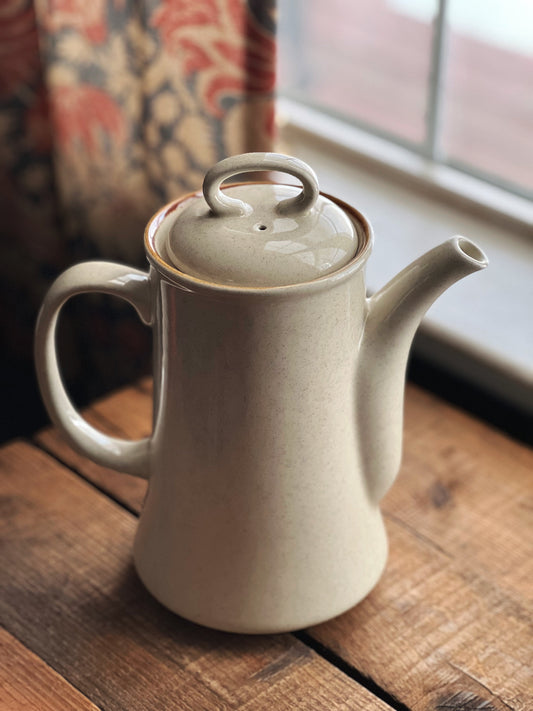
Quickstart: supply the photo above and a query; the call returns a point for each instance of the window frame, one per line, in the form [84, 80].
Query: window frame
[397, 158]
[332, 144]
[430, 149]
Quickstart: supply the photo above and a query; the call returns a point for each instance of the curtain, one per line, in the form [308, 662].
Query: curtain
[108, 110]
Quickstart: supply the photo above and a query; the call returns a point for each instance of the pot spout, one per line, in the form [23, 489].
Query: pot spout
[393, 316]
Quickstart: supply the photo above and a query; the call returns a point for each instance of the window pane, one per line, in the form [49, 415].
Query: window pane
[488, 107]
[368, 60]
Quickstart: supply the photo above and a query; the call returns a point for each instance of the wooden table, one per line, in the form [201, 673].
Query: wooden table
[446, 628]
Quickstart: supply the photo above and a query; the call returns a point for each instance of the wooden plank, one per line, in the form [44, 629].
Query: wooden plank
[448, 623]
[435, 635]
[460, 485]
[28, 684]
[468, 488]
[70, 594]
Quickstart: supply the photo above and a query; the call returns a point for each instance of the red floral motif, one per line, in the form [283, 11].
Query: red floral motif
[222, 41]
[82, 114]
[19, 49]
[86, 16]
[195, 59]
[173, 14]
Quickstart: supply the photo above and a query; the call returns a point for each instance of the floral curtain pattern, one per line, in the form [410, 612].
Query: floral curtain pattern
[108, 110]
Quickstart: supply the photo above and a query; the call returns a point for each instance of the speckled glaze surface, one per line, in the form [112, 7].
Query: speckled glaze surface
[277, 427]
[259, 235]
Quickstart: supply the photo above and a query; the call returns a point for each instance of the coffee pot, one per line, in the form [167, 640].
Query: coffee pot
[278, 396]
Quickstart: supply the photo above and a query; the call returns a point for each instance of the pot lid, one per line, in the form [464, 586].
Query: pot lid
[260, 234]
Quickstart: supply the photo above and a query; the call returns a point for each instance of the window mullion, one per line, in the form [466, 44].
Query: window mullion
[436, 83]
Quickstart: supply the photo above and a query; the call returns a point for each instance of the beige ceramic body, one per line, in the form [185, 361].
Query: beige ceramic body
[277, 429]
[258, 518]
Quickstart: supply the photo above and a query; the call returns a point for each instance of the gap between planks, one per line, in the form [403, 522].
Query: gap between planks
[459, 495]
[99, 629]
[301, 635]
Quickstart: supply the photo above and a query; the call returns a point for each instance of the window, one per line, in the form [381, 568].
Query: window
[451, 80]
[420, 113]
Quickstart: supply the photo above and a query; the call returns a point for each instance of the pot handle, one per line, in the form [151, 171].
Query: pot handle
[222, 204]
[108, 278]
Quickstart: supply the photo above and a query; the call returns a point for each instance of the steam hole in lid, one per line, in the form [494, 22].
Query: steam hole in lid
[261, 227]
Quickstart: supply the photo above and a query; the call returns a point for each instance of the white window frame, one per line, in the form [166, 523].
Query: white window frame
[482, 328]
[436, 90]
[431, 147]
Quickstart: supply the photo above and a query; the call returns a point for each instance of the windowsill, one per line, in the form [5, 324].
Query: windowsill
[481, 328]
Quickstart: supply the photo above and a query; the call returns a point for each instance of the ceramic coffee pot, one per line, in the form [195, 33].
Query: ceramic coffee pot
[278, 396]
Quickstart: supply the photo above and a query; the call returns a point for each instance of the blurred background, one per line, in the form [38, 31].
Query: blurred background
[111, 108]
[374, 63]
[420, 112]
[108, 110]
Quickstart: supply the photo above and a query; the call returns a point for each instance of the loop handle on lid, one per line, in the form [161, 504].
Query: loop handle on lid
[222, 204]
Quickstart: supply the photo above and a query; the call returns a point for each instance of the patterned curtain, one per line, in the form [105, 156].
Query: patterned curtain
[108, 110]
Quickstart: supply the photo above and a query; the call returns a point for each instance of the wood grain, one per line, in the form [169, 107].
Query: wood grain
[432, 632]
[467, 488]
[448, 627]
[70, 594]
[28, 684]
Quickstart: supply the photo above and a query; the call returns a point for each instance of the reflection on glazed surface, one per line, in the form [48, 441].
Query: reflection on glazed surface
[277, 430]
[277, 409]
[262, 248]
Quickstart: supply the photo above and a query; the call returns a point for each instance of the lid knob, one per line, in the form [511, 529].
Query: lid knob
[222, 204]
[259, 234]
